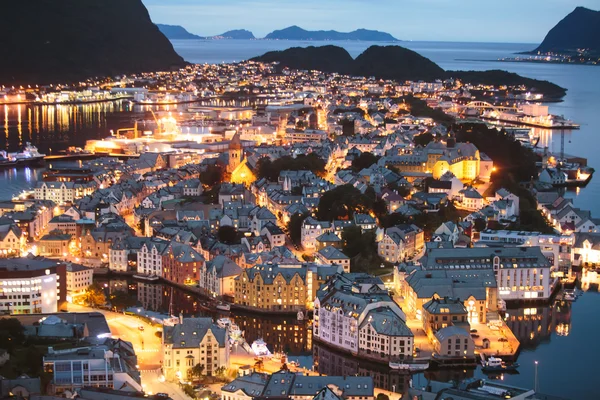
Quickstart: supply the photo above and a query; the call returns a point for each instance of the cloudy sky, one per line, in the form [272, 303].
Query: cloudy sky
[517, 21]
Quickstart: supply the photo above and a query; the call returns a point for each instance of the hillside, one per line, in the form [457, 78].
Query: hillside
[70, 40]
[297, 33]
[176, 32]
[578, 30]
[397, 63]
[237, 34]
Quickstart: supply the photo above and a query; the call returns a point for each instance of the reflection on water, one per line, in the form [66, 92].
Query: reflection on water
[330, 362]
[15, 180]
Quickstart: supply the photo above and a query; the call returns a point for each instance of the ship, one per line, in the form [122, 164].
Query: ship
[28, 157]
[495, 364]
[412, 367]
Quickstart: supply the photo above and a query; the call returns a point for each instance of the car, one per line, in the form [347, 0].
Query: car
[141, 327]
[473, 330]
[503, 339]
[474, 335]
[162, 395]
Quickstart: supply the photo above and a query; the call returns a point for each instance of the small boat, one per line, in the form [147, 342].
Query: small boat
[412, 367]
[495, 364]
[259, 348]
[223, 307]
[300, 316]
[569, 296]
[151, 278]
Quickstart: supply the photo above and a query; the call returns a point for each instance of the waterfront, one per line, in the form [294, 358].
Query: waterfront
[548, 333]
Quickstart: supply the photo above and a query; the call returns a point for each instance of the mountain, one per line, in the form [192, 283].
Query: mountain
[70, 40]
[297, 33]
[578, 30]
[396, 63]
[237, 34]
[176, 32]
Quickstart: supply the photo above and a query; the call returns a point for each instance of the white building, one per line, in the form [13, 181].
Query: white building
[217, 276]
[354, 313]
[521, 272]
[79, 278]
[311, 230]
[194, 341]
[149, 259]
[63, 192]
[31, 285]
[98, 366]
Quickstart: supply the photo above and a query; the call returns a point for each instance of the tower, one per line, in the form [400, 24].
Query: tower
[235, 153]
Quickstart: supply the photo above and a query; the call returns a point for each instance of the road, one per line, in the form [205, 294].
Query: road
[145, 342]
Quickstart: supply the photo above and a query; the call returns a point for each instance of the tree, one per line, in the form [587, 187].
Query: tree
[272, 169]
[220, 371]
[423, 139]
[12, 333]
[295, 227]
[365, 160]
[95, 295]
[382, 396]
[258, 366]
[227, 234]
[212, 176]
[121, 300]
[197, 370]
[342, 202]
[479, 224]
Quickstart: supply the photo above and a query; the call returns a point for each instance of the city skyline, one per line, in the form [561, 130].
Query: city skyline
[514, 22]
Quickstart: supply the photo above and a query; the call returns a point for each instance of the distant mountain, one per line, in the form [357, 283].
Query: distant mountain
[46, 41]
[397, 63]
[176, 32]
[297, 33]
[578, 30]
[237, 34]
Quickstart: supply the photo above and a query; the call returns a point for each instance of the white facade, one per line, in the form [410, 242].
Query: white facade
[149, 260]
[34, 295]
[79, 278]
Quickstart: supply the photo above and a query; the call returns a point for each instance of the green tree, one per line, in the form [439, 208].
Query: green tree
[228, 234]
[12, 333]
[479, 224]
[423, 139]
[94, 296]
[342, 202]
[220, 371]
[382, 396]
[295, 227]
[272, 169]
[212, 176]
[197, 370]
[122, 300]
[365, 160]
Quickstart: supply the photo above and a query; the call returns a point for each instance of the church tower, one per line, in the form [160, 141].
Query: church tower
[235, 153]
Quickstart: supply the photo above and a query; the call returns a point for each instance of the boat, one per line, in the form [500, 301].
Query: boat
[495, 364]
[223, 307]
[151, 278]
[28, 157]
[259, 348]
[569, 296]
[412, 367]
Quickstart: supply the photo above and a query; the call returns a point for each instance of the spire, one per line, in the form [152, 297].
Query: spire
[236, 142]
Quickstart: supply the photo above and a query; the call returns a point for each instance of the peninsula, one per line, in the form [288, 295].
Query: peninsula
[71, 40]
[178, 32]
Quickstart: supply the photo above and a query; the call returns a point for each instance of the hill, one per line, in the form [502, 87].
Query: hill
[297, 33]
[397, 63]
[237, 34]
[176, 32]
[324, 58]
[70, 40]
[578, 30]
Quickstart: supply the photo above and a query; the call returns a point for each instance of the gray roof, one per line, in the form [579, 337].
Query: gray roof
[191, 332]
[224, 266]
[332, 253]
[454, 306]
[482, 258]
[386, 322]
[450, 331]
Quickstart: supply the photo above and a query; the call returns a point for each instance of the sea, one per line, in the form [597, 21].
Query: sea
[559, 337]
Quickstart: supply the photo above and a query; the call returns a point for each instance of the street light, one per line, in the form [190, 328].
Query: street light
[535, 383]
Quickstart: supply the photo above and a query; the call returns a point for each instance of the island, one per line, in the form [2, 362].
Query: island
[297, 33]
[71, 40]
[176, 32]
[397, 63]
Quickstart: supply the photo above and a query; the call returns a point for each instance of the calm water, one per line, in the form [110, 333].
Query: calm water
[564, 361]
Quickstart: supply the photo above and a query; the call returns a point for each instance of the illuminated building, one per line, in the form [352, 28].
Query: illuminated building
[32, 285]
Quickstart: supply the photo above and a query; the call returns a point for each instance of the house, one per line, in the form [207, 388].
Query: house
[12, 240]
[79, 278]
[470, 199]
[400, 242]
[192, 188]
[218, 275]
[54, 244]
[311, 229]
[447, 232]
[332, 255]
[181, 263]
[454, 342]
[553, 176]
[439, 313]
[191, 342]
[150, 257]
[274, 234]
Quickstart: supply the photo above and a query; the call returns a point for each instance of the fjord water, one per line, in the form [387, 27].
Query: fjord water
[564, 360]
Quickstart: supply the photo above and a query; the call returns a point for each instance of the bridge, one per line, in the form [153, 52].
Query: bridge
[485, 106]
